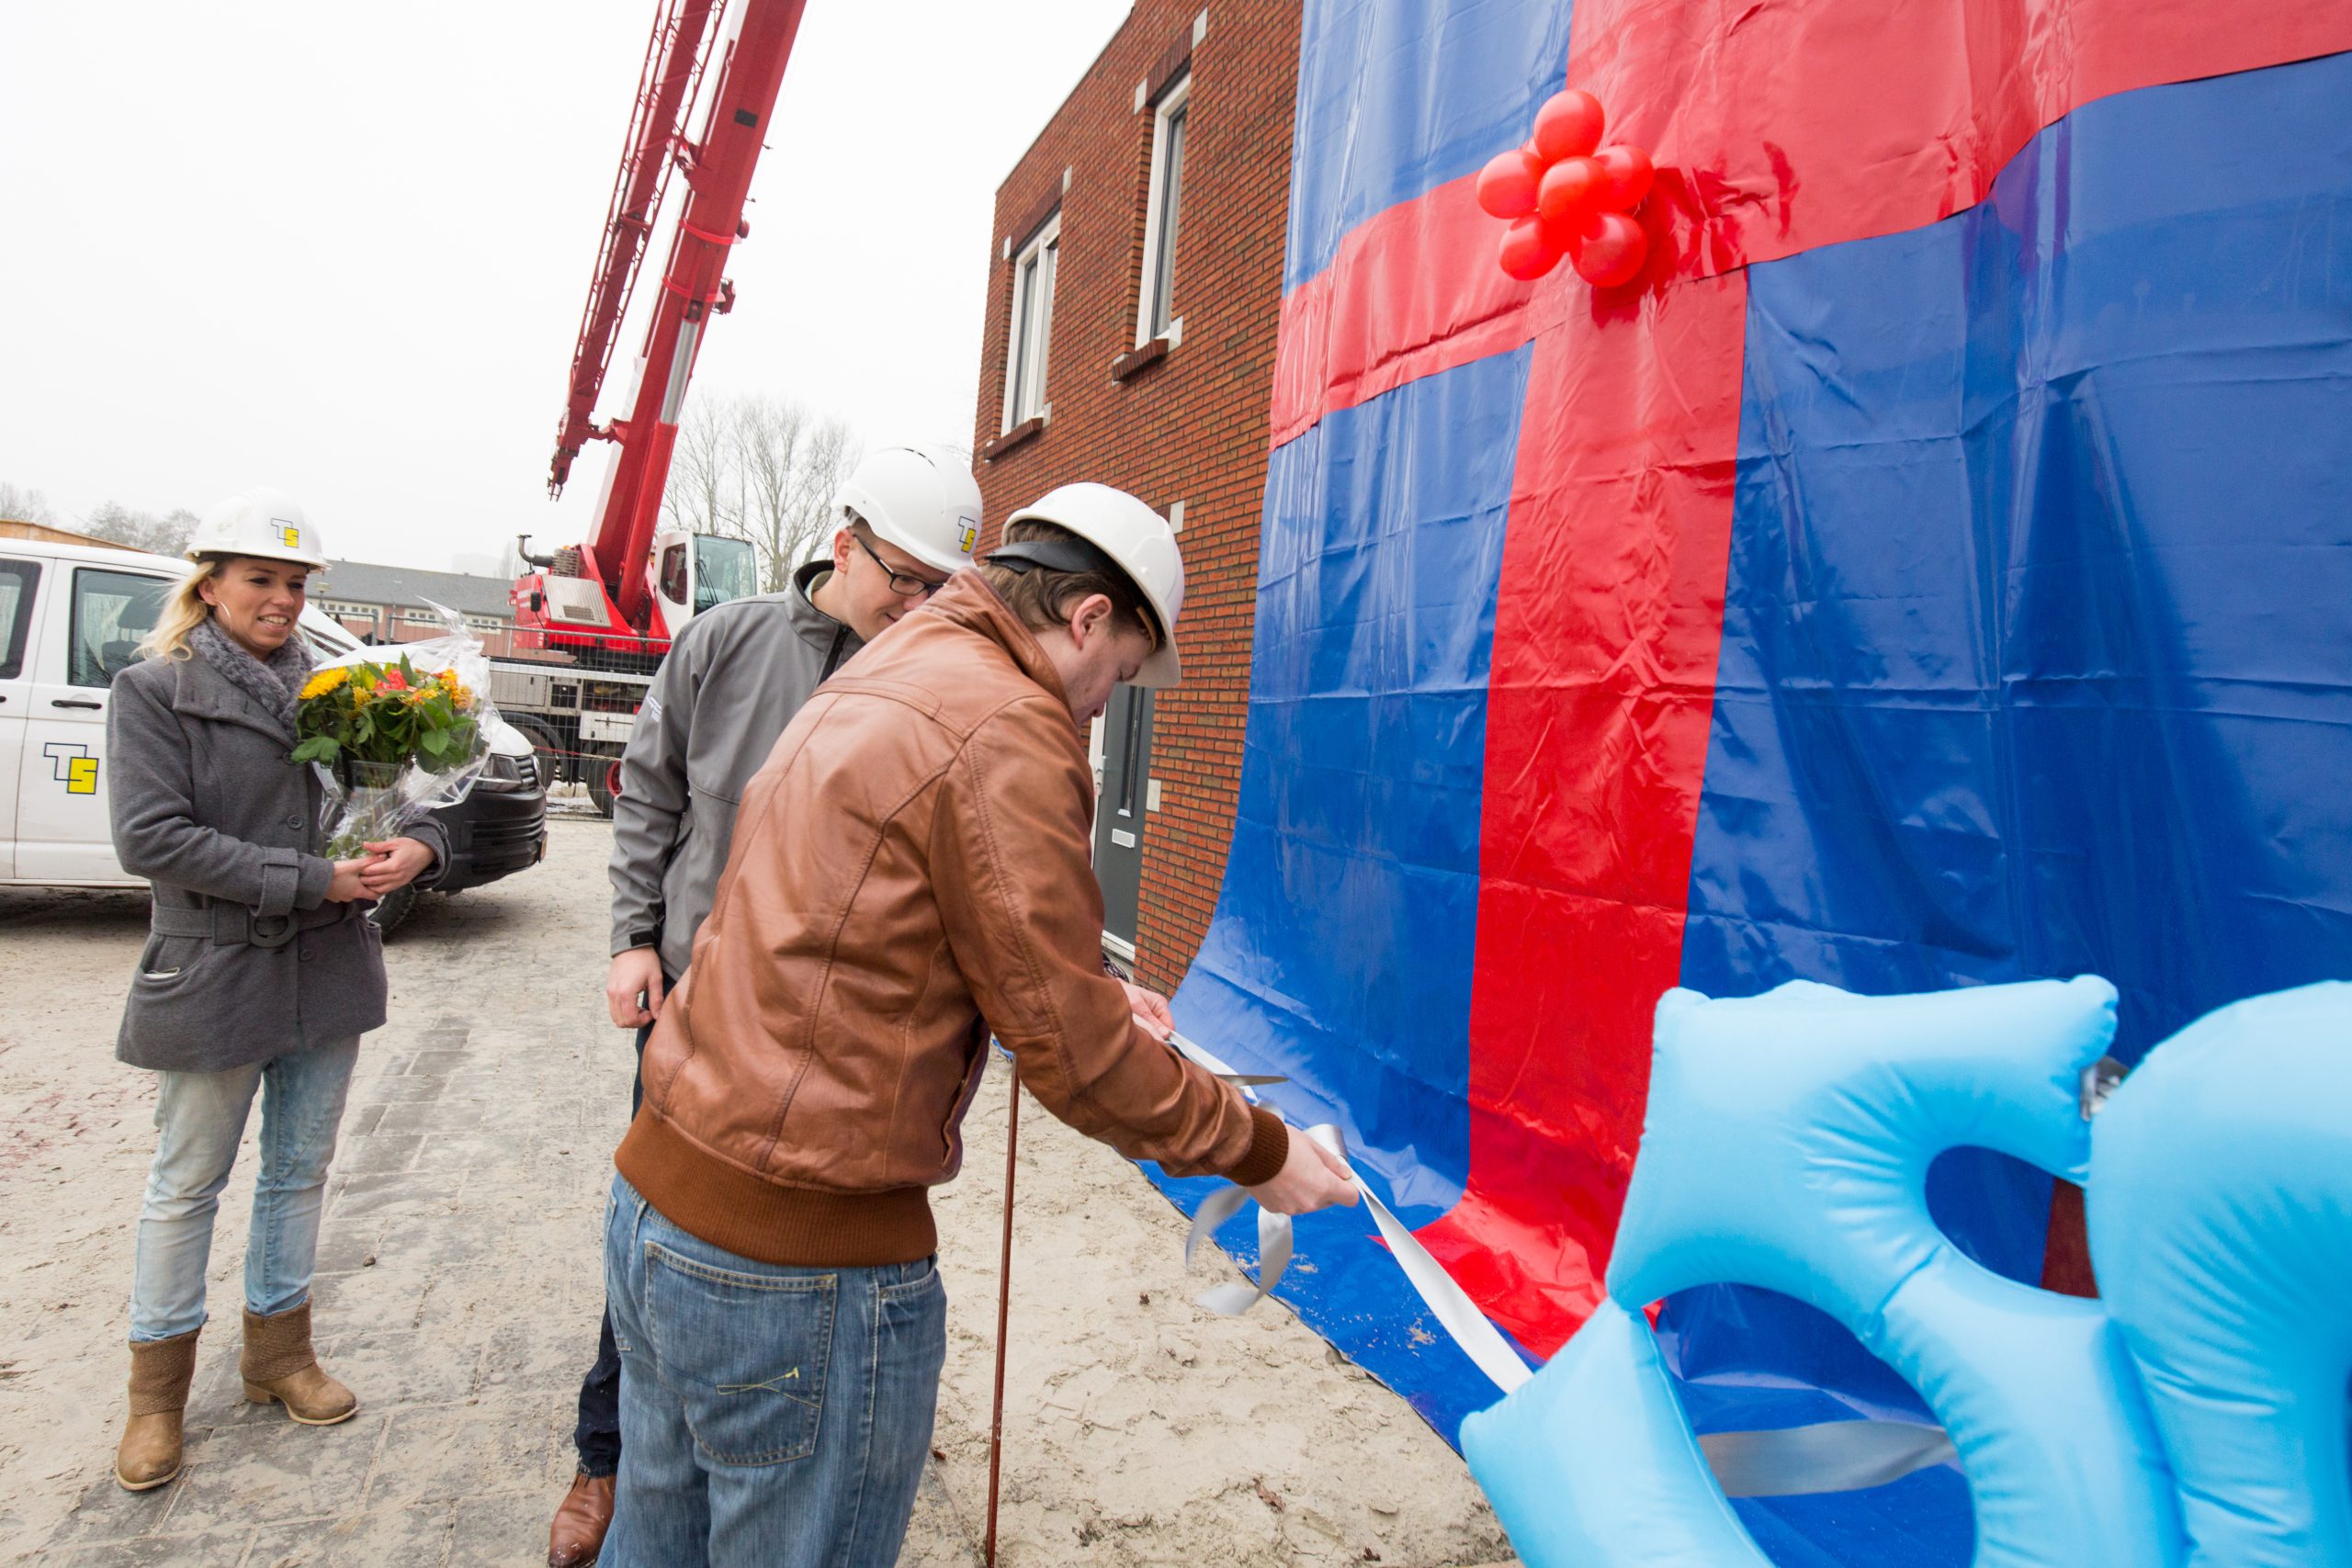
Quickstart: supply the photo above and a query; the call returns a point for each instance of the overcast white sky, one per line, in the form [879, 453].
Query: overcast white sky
[343, 249]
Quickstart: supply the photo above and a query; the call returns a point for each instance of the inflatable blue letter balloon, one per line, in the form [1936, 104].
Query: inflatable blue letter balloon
[2220, 1217]
[1787, 1145]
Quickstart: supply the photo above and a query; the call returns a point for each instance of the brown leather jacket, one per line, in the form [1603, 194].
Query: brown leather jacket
[912, 861]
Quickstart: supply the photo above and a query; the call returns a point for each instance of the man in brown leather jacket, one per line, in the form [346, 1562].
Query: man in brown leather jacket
[910, 873]
[906, 519]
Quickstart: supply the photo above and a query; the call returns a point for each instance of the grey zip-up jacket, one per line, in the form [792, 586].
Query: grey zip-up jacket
[733, 679]
[247, 960]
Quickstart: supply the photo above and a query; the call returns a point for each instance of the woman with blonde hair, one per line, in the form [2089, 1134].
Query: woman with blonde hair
[260, 976]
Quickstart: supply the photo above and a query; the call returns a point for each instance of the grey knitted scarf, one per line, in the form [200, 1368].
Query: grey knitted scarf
[274, 684]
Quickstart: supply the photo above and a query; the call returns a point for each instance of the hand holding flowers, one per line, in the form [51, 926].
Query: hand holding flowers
[393, 864]
[392, 739]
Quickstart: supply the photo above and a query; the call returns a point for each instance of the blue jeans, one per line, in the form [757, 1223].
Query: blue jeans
[598, 1435]
[769, 1414]
[200, 1117]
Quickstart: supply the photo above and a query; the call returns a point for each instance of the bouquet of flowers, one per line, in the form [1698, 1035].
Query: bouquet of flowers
[394, 739]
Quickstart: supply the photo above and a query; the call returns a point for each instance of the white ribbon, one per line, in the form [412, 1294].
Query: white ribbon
[1447, 1301]
[1274, 1251]
[1836, 1456]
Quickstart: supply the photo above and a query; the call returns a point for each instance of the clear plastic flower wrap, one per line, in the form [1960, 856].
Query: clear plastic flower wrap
[395, 732]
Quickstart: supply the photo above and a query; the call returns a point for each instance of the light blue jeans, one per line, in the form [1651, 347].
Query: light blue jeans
[199, 1118]
[769, 1414]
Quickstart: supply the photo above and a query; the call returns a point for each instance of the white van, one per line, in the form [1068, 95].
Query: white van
[71, 617]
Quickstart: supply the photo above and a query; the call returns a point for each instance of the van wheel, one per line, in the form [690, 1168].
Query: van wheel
[603, 783]
[392, 908]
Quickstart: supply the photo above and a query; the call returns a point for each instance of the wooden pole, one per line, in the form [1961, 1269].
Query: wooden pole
[1003, 1309]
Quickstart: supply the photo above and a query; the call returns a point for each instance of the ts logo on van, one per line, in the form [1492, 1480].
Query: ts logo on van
[72, 766]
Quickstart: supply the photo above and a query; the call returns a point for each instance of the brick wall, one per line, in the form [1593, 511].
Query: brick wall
[1190, 426]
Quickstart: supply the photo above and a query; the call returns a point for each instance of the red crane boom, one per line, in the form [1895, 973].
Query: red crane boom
[665, 90]
[744, 68]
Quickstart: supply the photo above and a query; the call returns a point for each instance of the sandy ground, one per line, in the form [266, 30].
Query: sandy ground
[458, 1293]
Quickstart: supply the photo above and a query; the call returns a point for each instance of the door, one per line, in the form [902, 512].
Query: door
[88, 633]
[20, 597]
[1119, 816]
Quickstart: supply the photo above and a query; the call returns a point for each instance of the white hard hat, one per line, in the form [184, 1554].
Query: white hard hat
[921, 499]
[258, 521]
[1138, 542]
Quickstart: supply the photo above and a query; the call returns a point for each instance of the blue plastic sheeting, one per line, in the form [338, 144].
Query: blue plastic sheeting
[1398, 96]
[2037, 638]
[1747, 1359]
[1341, 948]
[1920, 1521]
[1361, 777]
[2037, 659]
[2036, 641]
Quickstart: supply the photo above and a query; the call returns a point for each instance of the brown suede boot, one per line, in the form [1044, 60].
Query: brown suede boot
[161, 1371]
[280, 1365]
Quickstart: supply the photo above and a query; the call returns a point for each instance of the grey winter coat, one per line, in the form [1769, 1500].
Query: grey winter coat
[247, 960]
[732, 681]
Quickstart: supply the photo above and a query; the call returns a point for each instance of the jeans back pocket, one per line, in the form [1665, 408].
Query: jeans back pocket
[744, 1353]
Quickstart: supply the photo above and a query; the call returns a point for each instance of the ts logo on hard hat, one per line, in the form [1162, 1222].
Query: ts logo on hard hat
[72, 766]
[965, 540]
[291, 536]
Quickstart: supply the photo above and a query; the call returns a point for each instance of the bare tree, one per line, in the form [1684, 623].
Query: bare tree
[832, 450]
[761, 468]
[703, 495]
[164, 536]
[25, 506]
[796, 463]
[769, 432]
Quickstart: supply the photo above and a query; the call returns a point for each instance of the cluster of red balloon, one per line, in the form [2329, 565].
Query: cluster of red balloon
[1566, 194]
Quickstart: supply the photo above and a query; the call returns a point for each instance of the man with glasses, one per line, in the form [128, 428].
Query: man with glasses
[733, 679]
[911, 586]
[912, 876]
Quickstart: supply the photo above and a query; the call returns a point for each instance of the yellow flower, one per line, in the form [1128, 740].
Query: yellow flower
[325, 681]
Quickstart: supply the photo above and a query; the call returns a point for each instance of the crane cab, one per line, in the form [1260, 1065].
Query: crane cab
[688, 573]
[563, 608]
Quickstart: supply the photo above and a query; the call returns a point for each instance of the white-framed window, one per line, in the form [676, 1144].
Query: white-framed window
[1163, 204]
[1033, 324]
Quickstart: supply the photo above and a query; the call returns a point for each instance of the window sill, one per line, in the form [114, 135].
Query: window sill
[1135, 360]
[1020, 433]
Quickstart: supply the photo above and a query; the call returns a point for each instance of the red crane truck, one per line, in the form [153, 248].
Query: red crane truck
[593, 619]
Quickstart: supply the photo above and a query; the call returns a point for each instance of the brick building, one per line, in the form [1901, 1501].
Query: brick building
[1135, 291]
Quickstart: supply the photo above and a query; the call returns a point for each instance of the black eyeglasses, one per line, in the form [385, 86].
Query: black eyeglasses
[905, 584]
